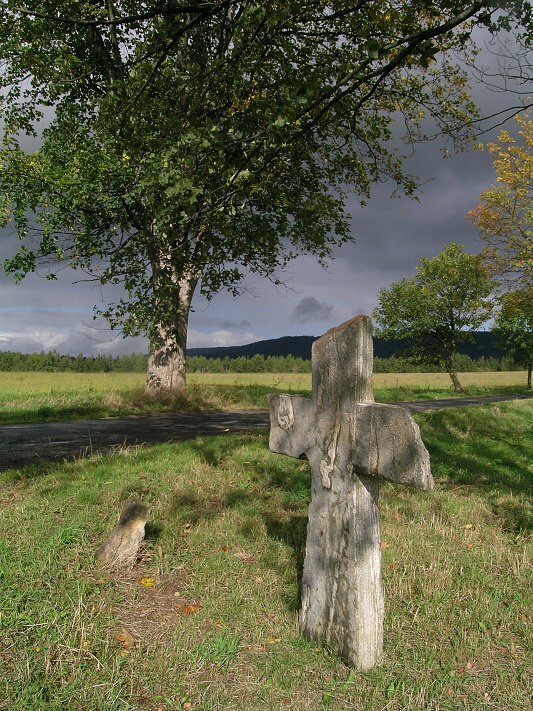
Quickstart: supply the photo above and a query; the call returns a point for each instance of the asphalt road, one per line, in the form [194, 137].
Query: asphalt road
[52, 441]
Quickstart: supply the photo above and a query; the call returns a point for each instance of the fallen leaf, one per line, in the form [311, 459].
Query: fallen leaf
[126, 639]
[384, 544]
[147, 582]
[225, 549]
[189, 609]
[274, 640]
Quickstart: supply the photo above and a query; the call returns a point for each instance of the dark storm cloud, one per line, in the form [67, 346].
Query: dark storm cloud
[235, 325]
[310, 309]
[391, 234]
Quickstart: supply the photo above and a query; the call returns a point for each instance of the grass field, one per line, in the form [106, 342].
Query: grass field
[35, 397]
[207, 619]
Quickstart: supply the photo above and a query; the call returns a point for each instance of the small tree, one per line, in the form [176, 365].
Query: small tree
[514, 326]
[440, 307]
[505, 214]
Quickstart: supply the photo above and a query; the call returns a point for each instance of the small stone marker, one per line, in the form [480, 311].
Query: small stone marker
[121, 548]
[349, 441]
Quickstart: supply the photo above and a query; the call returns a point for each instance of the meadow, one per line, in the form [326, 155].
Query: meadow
[36, 397]
[207, 618]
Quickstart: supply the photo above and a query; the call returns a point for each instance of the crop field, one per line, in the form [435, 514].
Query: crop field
[302, 381]
[35, 397]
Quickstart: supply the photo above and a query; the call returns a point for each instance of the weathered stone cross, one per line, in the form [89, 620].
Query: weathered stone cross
[349, 441]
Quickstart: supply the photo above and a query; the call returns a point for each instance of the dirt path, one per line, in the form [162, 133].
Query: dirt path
[52, 441]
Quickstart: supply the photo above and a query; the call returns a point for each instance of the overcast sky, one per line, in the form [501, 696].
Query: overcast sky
[391, 234]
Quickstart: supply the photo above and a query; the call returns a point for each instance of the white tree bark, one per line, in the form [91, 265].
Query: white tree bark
[172, 296]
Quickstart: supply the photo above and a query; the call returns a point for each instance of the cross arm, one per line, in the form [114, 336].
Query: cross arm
[292, 424]
[387, 443]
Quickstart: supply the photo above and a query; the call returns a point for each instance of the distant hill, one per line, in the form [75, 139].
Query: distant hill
[300, 347]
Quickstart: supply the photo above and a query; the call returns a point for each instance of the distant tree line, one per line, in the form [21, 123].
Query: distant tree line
[54, 362]
[289, 364]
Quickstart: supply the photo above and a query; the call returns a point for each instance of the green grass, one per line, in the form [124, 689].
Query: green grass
[226, 538]
[41, 397]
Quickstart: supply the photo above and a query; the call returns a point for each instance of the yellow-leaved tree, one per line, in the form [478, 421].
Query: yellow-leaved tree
[505, 213]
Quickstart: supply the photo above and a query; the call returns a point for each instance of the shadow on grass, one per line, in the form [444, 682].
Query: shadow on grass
[275, 494]
[474, 453]
[489, 451]
[292, 533]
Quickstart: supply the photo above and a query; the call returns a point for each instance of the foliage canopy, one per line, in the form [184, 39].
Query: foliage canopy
[440, 307]
[505, 214]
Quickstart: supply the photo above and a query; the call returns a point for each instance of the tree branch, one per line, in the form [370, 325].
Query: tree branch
[206, 8]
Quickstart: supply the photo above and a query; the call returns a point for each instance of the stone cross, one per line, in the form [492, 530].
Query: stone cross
[349, 441]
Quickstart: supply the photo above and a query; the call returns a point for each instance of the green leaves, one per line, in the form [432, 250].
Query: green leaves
[21, 264]
[438, 308]
[373, 49]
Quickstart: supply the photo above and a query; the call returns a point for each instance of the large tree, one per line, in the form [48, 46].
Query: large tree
[439, 308]
[505, 213]
[192, 141]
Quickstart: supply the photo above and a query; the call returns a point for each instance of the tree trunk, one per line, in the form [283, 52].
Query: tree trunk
[452, 371]
[529, 375]
[166, 361]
